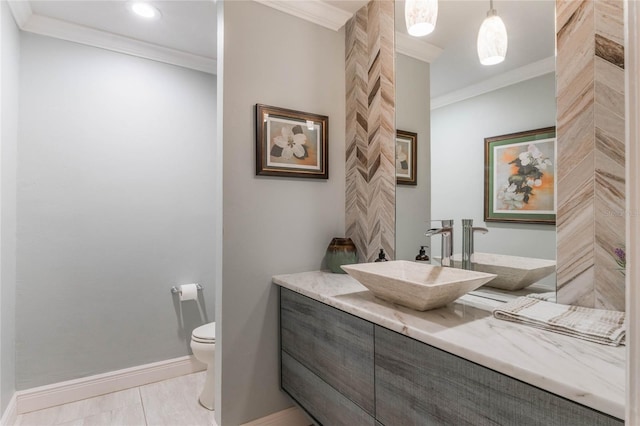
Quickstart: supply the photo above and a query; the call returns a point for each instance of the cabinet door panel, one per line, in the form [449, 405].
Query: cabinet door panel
[334, 345]
[417, 384]
[323, 402]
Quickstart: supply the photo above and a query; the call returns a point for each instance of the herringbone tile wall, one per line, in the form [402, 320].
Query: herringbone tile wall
[370, 130]
[591, 152]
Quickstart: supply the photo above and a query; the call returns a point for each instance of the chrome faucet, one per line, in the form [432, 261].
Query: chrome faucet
[467, 242]
[446, 231]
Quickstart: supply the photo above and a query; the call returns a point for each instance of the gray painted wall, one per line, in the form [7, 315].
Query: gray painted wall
[413, 203]
[115, 205]
[10, 49]
[271, 225]
[457, 168]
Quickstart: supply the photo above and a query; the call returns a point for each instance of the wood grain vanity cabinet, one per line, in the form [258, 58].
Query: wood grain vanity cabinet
[344, 370]
[327, 360]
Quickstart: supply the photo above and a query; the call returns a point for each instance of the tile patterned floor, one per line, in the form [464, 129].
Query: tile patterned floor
[172, 402]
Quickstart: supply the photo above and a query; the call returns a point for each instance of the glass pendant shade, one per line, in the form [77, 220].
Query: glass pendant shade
[492, 40]
[420, 16]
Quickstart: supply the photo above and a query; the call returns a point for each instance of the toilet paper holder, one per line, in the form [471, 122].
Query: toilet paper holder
[175, 289]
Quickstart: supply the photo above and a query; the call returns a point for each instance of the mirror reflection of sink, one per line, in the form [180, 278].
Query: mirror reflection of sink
[415, 285]
[513, 272]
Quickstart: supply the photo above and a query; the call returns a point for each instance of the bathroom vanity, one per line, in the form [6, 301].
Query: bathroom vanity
[349, 358]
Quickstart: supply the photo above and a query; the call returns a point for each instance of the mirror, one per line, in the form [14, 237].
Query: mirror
[468, 103]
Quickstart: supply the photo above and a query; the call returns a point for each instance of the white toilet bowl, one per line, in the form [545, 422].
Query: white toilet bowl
[203, 345]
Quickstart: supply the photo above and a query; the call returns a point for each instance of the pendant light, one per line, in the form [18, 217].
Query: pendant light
[492, 38]
[420, 16]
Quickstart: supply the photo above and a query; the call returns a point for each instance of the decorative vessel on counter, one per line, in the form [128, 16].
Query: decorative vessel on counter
[341, 251]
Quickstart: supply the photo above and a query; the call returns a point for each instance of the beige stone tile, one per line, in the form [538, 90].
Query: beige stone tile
[610, 154]
[609, 295]
[81, 409]
[609, 280]
[580, 291]
[575, 228]
[577, 182]
[174, 402]
[576, 91]
[610, 187]
[609, 19]
[575, 46]
[609, 123]
[576, 137]
[608, 75]
[565, 10]
[610, 51]
[610, 234]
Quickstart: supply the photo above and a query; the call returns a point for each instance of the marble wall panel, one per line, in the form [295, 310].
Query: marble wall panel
[370, 130]
[591, 146]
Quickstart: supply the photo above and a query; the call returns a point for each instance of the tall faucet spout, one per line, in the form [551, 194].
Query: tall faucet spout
[446, 231]
[437, 231]
[467, 242]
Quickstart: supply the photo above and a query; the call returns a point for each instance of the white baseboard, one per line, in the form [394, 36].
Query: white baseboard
[10, 413]
[88, 387]
[293, 416]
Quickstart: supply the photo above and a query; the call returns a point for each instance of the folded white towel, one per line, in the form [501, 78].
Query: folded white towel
[594, 325]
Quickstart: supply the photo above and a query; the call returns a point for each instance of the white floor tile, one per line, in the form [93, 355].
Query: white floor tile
[174, 402]
[128, 416]
[77, 411]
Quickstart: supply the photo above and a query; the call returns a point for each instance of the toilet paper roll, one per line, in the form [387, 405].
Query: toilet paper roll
[188, 292]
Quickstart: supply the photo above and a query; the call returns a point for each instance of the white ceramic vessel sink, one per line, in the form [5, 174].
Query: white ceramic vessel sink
[415, 285]
[513, 272]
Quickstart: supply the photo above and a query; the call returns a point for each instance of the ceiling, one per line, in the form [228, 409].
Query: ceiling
[188, 27]
[530, 27]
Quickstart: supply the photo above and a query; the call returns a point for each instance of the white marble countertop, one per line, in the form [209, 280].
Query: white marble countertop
[587, 373]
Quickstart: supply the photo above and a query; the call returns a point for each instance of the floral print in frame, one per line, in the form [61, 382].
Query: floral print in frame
[291, 143]
[520, 177]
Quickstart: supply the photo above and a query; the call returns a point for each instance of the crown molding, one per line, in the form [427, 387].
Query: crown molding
[37, 24]
[416, 48]
[21, 11]
[316, 11]
[518, 75]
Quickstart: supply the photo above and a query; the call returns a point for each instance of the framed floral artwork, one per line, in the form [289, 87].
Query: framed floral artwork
[291, 143]
[406, 158]
[520, 177]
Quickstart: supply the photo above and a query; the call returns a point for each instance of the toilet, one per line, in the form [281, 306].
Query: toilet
[203, 345]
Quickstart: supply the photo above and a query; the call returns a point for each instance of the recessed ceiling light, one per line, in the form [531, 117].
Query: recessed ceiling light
[145, 10]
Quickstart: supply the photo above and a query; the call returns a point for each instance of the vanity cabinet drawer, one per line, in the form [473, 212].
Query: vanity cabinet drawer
[326, 405]
[417, 384]
[333, 345]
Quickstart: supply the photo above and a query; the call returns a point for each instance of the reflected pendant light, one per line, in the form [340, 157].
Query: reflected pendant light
[492, 38]
[420, 16]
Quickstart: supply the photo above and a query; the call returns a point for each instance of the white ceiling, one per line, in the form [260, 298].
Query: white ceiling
[530, 27]
[188, 27]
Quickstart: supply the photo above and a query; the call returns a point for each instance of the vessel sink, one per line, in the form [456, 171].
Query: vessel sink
[416, 285]
[513, 272]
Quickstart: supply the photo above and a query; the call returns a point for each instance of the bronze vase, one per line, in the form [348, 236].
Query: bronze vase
[341, 251]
